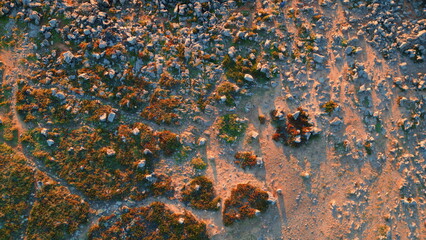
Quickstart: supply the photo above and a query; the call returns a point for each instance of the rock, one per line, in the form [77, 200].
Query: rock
[151, 178]
[296, 115]
[259, 161]
[111, 116]
[336, 122]
[319, 58]
[298, 139]
[131, 40]
[223, 98]
[142, 163]
[68, 56]
[146, 151]
[135, 131]
[202, 141]
[53, 23]
[60, 95]
[181, 220]
[231, 51]
[257, 212]
[248, 77]
[349, 50]
[50, 142]
[44, 132]
[254, 134]
[421, 36]
[305, 175]
[103, 117]
[110, 152]
[102, 44]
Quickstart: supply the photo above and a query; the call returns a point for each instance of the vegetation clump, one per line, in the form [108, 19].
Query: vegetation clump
[56, 213]
[16, 185]
[245, 159]
[229, 90]
[329, 106]
[231, 127]
[169, 142]
[162, 110]
[199, 193]
[83, 160]
[198, 163]
[298, 129]
[155, 221]
[245, 201]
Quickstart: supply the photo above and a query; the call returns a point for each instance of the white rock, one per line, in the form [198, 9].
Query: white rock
[248, 77]
[298, 139]
[202, 141]
[142, 163]
[259, 161]
[254, 134]
[146, 151]
[110, 152]
[181, 220]
[44, 132]
[50, 142]
[131, 40]
[135, 131]
[257, 212]
[103, 117]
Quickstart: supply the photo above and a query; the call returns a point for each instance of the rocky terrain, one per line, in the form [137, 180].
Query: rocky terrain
[212, 119]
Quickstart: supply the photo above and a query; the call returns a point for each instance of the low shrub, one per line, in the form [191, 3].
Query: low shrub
[244, 201]
[155, 221]
[199, 193]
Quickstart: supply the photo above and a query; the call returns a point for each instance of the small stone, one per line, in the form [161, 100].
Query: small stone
[44, 132]
[142, 163]
[103, 117]
[257, 212]
[110, 152]
[147, 151]
[181, 220]
[296, 115]
[111, 116]
[298, 139]
[319, 58]
[336, 122]
[349, 50]
[202, 141]
[135, 131]
[259, 161]
[248, 77]
[68, 56]
[254, 134]
[50, 142]
[131, 40]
